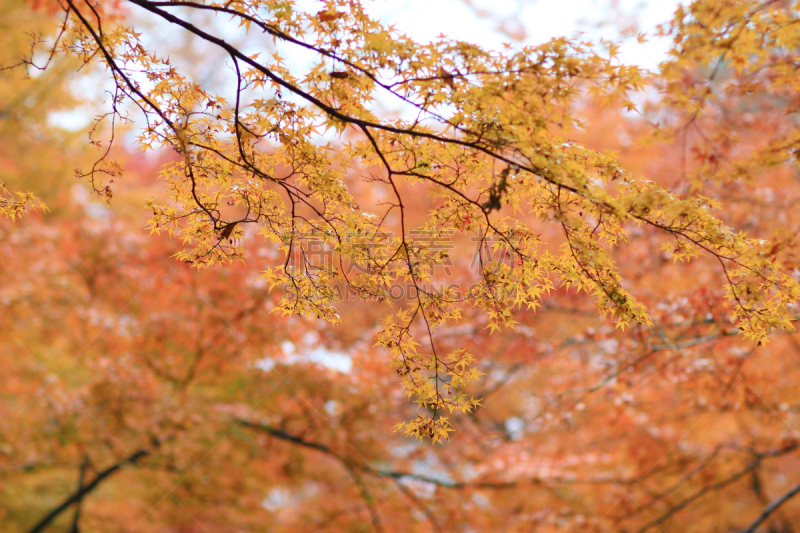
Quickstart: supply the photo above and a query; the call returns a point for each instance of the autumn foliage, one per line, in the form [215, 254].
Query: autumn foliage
[358, 282]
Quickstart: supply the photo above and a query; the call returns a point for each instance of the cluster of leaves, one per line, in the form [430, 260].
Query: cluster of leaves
[486, 133]
[658, 406]
[13, 208]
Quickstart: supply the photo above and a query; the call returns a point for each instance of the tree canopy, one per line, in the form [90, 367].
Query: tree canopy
[578, 278]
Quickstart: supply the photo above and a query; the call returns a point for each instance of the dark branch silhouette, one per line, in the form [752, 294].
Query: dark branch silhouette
[78, 495]
[772, 507]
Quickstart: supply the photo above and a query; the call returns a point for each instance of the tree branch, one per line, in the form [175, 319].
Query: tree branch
[78, 495]
[771, 508]
[398, 475]
[76, 518]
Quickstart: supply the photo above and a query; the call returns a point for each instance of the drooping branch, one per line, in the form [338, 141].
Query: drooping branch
[226, 162]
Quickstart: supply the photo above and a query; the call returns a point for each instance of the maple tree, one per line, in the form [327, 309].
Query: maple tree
[458, 236]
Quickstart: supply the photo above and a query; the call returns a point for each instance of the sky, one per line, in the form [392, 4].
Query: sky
[542, 20]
